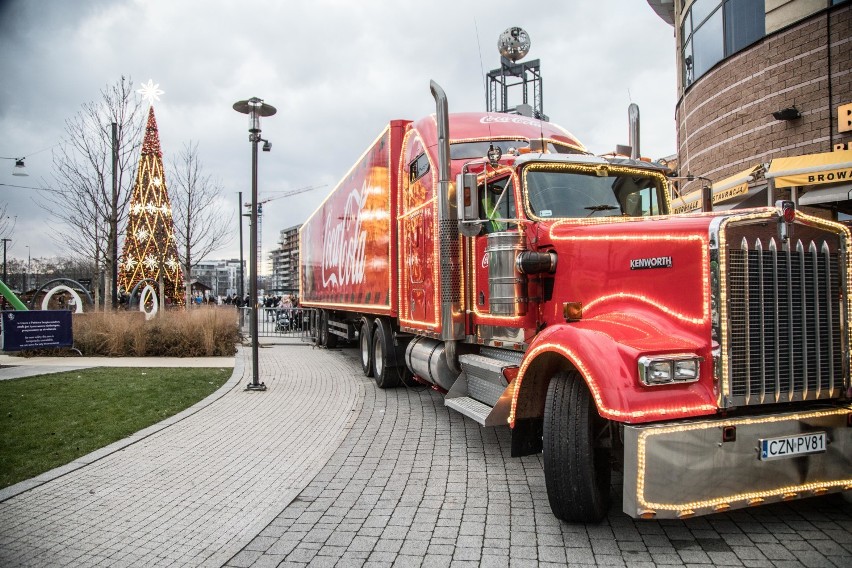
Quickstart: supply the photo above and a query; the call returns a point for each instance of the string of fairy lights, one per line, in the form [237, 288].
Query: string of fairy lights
[149, 247]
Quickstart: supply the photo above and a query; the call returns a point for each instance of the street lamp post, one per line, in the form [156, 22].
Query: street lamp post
[5, 241]
[241, 288]
[255, 108]
[29, 268]
[114, 220]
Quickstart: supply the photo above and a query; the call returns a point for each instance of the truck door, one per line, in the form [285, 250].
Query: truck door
[418, 246]
[496, 205]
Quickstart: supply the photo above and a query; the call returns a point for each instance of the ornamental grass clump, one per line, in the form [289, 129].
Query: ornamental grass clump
[196, 333]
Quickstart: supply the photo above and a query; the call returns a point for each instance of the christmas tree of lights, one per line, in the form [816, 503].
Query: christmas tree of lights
[149, 245]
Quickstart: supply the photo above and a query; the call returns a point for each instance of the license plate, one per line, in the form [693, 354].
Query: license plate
[792, 446]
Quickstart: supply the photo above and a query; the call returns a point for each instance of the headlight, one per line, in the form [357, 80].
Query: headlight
[668, 369]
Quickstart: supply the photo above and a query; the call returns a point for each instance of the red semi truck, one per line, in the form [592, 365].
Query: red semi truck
[706, 355]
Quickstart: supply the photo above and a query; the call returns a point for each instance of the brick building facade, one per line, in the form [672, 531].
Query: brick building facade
[783, 91]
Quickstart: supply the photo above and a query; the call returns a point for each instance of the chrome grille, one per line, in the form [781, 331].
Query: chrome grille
[787, 322]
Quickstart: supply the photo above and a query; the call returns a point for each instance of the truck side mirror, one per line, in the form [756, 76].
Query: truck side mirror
[467, 203]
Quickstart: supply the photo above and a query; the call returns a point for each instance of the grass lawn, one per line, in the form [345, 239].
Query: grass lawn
[50, 420]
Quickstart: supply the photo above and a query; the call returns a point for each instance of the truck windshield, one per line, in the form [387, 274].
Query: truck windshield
[570, 194]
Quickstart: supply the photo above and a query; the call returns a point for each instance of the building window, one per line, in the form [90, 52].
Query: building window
[715, 29]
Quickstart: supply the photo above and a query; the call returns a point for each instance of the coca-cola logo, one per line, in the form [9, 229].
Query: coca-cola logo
[344, 254]
[485, 260]
[509, 119]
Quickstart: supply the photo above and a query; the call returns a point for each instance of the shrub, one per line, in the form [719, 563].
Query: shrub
[196, 333]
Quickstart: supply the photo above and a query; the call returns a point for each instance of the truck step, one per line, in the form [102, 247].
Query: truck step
[481, 392]
[485, 380]
[513, 358]
[470, 408]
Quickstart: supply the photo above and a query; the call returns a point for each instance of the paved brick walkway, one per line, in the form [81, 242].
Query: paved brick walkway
[195, 492]
[324, 469]
[414, 484]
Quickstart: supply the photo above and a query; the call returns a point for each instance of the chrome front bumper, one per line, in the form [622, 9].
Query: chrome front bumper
[678, 470]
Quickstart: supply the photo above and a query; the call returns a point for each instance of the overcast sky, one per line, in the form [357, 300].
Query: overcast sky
[336, 70]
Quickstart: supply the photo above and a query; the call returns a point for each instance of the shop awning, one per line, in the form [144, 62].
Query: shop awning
[811, 169]
[827, 195]
[733, 186]
[723, 190]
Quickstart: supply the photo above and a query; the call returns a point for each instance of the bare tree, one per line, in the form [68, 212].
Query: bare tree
[199, 225]
[7, 223]
[92, 215]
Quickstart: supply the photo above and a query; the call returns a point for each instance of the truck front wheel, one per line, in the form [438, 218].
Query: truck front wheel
[576, 451]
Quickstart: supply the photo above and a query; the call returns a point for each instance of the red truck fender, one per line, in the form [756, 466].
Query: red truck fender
[608, 362]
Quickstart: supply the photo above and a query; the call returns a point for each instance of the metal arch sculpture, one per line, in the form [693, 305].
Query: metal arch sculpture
[66, 285]
[148, 288]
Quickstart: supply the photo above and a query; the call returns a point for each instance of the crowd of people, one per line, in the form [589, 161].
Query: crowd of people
[286, 301]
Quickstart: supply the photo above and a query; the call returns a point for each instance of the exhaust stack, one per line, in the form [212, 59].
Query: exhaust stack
[633, 120]
[452, 325]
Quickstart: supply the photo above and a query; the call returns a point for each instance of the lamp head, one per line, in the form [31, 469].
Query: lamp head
[789, 113]
[20, 168]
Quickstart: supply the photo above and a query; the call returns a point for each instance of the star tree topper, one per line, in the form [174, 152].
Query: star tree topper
[150, 91]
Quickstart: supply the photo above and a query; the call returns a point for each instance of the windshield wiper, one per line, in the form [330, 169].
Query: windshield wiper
[595, 208]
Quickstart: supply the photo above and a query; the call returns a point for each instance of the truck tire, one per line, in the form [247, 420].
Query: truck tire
[576, 465]
[313, 326]
[322, 330]
[365, 344]
[327, 339]
[385, 376]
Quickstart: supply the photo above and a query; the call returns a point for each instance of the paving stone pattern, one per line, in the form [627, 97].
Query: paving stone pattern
[325, 469]
[414, 484]
[195, 492]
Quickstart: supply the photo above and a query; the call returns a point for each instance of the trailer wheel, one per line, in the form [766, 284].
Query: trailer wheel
[327, 339]
[576, 451]
[386, 377]
[365, 343]
[313, 326]
[322, 330]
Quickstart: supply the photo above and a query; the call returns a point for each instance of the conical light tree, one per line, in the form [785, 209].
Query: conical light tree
[149, 246]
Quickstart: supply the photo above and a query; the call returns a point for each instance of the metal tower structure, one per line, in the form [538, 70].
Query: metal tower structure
[511, 77]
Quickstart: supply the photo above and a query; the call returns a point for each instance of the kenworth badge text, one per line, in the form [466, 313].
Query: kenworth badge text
[538, 286]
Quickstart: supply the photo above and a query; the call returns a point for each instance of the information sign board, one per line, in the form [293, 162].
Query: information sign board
[36, 329]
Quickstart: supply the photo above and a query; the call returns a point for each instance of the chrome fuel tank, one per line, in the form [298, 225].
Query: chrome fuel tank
[507, 287]
[427, 359]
